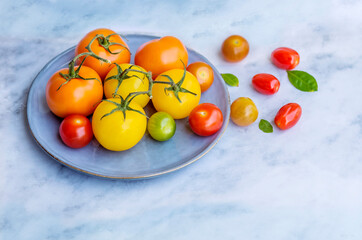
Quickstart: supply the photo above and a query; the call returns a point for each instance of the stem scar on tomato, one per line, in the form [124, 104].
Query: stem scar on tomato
[123, 75]
[106, 43]
[175, 87]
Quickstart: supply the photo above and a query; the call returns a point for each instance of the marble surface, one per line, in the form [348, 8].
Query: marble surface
[304, 183]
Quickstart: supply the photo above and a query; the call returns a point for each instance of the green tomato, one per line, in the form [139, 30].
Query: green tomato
[161, 126]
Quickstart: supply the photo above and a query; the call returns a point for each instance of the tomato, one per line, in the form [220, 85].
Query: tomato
[205, 119]
[164, 96]
[265, 83]
[119, 52]
[204, 74]
[235, 48]
[285, 58]
[77, 96]
[288, 116]
[127, 82]
[76, 131]
[160, 55]
[114, 131]
[161, 126]
[243, 111]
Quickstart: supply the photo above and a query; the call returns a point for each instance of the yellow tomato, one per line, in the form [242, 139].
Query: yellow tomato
[132, 81]
[243, 111]
[112, 130]
[164, 96]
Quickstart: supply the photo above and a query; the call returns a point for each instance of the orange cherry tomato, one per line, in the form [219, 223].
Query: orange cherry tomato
[288, 116]
[285, 58]
[204, 74]
[122, 55]
[161, 55]
[235, 48]
[78, 96]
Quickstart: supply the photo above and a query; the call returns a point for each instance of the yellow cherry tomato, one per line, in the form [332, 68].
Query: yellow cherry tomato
[176, 94]
[243, 111]
[130, 81]
[112, 130]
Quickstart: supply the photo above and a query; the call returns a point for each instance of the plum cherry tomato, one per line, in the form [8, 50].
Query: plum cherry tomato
[285, 58]
[243, 111]
[204, 74]
[160, 55]
[205, 119]
[265, 83]
[119, 51]
[76, 131]
[288, 116]
[161, 126]
[78, 96]
[235, 48]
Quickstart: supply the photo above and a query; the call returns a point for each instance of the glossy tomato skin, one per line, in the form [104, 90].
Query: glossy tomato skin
[75, 97]
[243, 111]
[165, 100]
[137, 82]
[76, 131]
[204, 74]
[114, 132]
[161, 126]
[285, 58]
[160, 55]
[235, 48]
[102, 68]
[288, 116]
[265, 83]
[206, 119]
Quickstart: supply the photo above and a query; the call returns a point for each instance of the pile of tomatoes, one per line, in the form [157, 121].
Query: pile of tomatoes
[100, 82]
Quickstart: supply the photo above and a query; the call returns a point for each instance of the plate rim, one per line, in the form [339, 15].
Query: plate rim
[144, 176]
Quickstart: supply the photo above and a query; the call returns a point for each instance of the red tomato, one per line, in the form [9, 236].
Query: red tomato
[285, 58]
[77, 96]
[161, 55]
[76, 131]
[288, 116]
[122, 54]
[235, 48]
[205, 119]
[265, 83]
[204, 74]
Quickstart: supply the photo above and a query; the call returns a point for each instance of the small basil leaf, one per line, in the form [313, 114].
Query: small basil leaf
[230, 79]
[265, 126]
[303, 81]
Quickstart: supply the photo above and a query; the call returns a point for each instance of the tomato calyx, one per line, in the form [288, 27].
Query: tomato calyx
[123, 75]
[175, 87]
[106, 43]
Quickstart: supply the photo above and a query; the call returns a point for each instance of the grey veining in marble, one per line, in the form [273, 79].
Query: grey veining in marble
[304, 183]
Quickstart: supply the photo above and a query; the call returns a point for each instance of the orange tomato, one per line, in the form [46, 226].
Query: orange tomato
[161, 55]
[204, 74]
[235, 48]
[122, 55]
[78, 96]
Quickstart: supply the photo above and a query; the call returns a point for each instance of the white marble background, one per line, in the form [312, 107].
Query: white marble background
[304, 183]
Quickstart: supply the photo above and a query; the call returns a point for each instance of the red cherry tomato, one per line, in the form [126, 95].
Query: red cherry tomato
[265, 83]
[288, 116]
[76, 131]
[285, 58]
[204, 74]
[205, 119]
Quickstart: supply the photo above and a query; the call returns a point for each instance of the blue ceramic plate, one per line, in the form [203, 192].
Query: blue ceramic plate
[148, 158]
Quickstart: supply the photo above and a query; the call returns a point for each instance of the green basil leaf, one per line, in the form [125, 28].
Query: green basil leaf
[230, 79]
[303, 81]
[265, 126]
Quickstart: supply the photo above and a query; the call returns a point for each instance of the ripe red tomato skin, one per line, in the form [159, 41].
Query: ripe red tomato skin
[76, 131]
[265, 83]
[285, 58]
[288, 116]
[205, 119]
